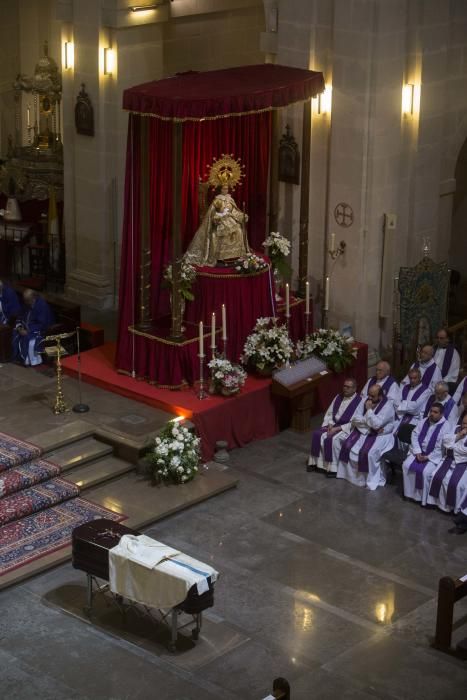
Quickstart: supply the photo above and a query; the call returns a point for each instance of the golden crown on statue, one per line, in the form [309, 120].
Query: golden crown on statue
[226, 170]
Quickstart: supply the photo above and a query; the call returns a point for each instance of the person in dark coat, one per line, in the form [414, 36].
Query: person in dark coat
[9, 304]
[31, 328]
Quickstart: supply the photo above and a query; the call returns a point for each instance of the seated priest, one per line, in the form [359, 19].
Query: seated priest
[30, 329]
[9, 305]
[460, 391]
[413, 399]
[425, 451]
[447, 485]
[429, 370]
[462, 409]
[447, 358]
[387, 383]
[441, 395]
[360, 456]
[326, 441]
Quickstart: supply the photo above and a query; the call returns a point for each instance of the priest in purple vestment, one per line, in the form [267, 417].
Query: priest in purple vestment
[441, 396]
[336, 426]
[413, 399]
[447, 485]
[30, 329]
[360, 456]
[460, 391]
[425, 452]
[446, 357]
[429, 370]
[387, 383]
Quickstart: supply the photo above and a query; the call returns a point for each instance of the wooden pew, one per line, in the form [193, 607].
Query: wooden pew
[450, 591]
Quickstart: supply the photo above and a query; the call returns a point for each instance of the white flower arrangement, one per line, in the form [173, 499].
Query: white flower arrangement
[187, 277]
[175, 454]
[268, 346]
[226, 378]
[277, 248]
[250, 263]
[331, 346]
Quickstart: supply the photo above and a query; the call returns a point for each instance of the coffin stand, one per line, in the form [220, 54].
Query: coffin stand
[91, 543]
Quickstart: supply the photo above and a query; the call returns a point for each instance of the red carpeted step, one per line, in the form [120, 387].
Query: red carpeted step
[36, 498]
[14, 452]
[17, 478]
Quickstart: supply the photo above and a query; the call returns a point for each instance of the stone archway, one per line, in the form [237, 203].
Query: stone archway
[458, 245]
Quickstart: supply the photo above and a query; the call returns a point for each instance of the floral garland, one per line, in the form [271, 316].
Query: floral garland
[268, 346]
[175, 454]
[250, 263]
[226, 378]
[333, 348]
[187, 277]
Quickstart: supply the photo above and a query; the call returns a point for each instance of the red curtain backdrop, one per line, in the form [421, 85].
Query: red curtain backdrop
[246, 137]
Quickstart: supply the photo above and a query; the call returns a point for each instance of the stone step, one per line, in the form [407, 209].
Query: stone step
[98, 472]
[78, 453]
[64, 435]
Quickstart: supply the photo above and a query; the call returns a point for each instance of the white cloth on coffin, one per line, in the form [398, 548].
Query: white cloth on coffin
[154, 574]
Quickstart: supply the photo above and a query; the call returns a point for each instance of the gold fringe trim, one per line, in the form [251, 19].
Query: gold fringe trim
[234, 276]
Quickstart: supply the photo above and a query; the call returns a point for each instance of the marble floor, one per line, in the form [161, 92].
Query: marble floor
[331, 586]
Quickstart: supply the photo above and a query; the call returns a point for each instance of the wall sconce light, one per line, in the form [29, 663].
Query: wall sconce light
[68, 55]
[408, 91]
[143, 8]
[334, 252]
[323, 101]
[109, 61]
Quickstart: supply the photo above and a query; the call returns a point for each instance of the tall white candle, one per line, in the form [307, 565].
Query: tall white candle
[326, 295]
[287, 300]
[213, 330]
[224, 322]
[332, 244]
[201, 339]
[307, 297]
[28, 116]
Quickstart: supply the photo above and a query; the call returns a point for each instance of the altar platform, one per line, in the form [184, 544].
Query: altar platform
[254, 414]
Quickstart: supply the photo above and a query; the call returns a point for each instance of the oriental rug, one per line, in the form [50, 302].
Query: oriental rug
[35, 536]
[14, 451]
[27, 475]
[30, 500]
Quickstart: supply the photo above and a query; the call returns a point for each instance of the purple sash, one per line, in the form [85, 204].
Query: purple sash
[447, 407]
[405, 392]
[448, 355]
[418, 467]
[457, 475]
[464, 389]
[427, 374]
[366, 447]
[345, 418]
[387, 384]
[438, 477]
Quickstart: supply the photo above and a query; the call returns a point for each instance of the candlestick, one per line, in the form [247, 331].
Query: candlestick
[326, 295]
[287, 300]
[224, 322]
[307, 297]
[213, 331]
[332, 245]
[201, 394]
[28, 116]
[201, 339]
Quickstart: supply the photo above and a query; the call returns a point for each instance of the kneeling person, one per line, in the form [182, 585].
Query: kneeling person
[31, 328]
[326, 441]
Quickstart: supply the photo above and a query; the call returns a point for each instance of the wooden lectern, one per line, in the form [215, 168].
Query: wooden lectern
[302, 397]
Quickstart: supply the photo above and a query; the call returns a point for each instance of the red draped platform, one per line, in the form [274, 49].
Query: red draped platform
[223, 111]
[251, 415]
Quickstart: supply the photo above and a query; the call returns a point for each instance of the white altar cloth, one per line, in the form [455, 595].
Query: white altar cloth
[153, 574]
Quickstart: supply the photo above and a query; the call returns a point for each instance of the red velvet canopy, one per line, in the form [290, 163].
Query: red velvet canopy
[220, 93]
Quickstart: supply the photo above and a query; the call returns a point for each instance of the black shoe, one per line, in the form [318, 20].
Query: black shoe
[311, 468]
[456, 530]
[331, 475]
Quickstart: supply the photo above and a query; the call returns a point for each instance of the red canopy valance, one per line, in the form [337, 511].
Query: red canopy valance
[222, 93]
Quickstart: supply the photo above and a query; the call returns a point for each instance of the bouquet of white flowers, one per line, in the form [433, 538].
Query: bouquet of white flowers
[277, 248]
[226, 378]
[175, 454]
[333, 348]
[187, 277]
[268, 346]
[250, 263]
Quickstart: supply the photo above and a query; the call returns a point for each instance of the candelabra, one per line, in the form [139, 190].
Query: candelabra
[201, 394]
[334, 252]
